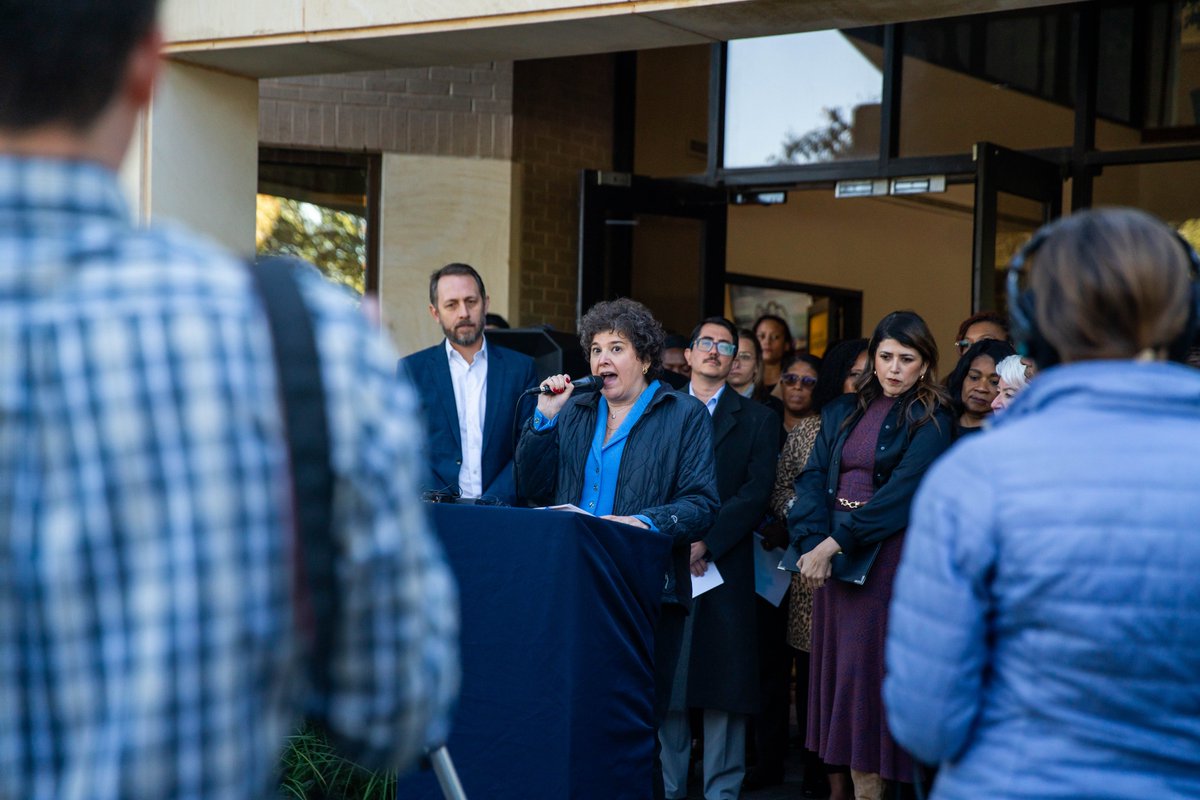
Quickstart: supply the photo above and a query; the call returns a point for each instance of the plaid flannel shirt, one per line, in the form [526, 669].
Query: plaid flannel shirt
[147, 645]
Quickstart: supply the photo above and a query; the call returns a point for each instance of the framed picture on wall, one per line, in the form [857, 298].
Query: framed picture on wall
[746, 303]
[816, 315]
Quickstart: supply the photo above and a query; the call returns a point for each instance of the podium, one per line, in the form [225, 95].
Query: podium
[558, 614]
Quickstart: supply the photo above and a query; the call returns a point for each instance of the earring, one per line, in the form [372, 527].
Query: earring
[645, 368]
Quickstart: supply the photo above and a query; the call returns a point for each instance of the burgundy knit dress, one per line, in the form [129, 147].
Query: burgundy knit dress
[846, 722]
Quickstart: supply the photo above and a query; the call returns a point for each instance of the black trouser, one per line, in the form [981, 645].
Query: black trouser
[770, 724]
[668, 640]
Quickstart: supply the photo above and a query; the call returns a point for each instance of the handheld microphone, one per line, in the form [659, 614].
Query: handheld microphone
[585, 384]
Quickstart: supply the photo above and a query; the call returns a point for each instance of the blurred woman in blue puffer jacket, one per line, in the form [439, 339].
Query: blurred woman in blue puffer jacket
[1044, 636]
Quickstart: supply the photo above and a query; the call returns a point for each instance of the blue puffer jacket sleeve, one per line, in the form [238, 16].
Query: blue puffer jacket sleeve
[535, 463]
[937, 629]
[692, 506]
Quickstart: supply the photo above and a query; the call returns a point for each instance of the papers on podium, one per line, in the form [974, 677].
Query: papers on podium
[565, 507]
[711, 578]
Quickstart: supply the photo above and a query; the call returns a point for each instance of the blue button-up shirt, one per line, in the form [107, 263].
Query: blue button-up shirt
[604, 458]
[147, 645]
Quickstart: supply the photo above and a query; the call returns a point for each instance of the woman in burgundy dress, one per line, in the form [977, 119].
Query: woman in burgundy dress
[849, 516]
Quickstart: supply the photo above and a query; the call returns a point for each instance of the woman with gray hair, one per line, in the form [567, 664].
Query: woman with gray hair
[1012, 381]
[635, 452]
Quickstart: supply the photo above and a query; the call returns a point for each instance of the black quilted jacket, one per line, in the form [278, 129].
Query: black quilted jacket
[666, 470]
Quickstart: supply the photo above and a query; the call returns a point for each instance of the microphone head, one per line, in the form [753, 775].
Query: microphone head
[588, 383]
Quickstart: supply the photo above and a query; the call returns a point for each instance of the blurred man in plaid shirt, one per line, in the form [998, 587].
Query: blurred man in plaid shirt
[148, 646]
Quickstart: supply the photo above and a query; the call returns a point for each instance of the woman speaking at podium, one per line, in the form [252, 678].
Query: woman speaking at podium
[635, 452]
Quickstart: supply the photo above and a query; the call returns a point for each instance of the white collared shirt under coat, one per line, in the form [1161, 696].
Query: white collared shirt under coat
[470, 399]
[711, 403]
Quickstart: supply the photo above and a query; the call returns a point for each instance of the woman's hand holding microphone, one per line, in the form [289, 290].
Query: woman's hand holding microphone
[560, 391]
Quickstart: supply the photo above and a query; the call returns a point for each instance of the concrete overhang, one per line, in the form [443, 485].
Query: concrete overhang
[273, 38]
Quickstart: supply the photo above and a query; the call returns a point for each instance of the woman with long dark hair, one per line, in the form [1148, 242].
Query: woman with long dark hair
[848, 519]
[974, 384]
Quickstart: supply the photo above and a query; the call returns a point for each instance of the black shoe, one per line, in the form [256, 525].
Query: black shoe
[761, 777]
[814, 785]
[817, 789]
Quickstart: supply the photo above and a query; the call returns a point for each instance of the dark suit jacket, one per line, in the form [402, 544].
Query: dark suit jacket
[723, 668]
[509, 373]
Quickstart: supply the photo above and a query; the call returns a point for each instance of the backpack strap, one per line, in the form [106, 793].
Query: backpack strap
[306, 426]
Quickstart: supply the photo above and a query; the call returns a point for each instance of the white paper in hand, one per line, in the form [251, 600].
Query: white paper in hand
[711, 579]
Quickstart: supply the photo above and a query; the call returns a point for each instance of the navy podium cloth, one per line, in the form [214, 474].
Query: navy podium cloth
[558, 615]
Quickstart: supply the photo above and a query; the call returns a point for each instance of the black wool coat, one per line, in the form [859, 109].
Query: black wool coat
[666, 471]
[723, 665]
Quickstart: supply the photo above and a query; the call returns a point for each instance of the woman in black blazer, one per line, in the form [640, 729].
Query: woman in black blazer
[851, 509]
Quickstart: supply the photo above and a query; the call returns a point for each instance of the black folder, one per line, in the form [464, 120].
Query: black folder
[851, 567]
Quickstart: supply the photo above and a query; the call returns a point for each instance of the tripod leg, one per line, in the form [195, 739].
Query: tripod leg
[447, 777]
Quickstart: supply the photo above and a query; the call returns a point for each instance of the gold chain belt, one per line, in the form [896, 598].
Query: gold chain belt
[851, 503]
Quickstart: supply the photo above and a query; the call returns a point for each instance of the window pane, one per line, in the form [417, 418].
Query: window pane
[333, 240]
[1166, 190]
[802, 98]
[1004, 78]
[1148, 84]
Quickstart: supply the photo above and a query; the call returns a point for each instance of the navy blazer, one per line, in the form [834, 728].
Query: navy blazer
[509, 373]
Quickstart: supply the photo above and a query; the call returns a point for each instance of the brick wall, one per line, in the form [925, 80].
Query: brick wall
[563, 111]
[463, 111]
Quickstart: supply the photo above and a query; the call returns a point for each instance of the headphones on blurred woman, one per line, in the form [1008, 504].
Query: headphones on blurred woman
[1031, 343]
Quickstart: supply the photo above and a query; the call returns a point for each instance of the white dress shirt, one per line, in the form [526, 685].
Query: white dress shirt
[711, 404]
[470, 398]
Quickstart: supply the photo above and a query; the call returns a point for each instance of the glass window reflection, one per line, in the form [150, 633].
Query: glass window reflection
[1007, 78]
[1149, 74]
[802, 98]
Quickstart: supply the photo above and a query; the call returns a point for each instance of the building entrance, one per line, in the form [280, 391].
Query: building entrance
[831, 265]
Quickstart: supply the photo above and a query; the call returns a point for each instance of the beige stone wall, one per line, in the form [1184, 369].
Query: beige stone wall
[437, 210]
[563, 124]
[197, 158]
[560, 124]
[463, 111]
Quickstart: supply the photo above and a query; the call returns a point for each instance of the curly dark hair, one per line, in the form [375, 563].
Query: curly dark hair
[999, 320]
[632, 320]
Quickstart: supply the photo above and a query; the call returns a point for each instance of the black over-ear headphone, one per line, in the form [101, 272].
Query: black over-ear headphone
[1029, 340]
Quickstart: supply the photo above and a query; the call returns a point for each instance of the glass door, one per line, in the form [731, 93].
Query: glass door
[659, 242]
[1015, 194]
